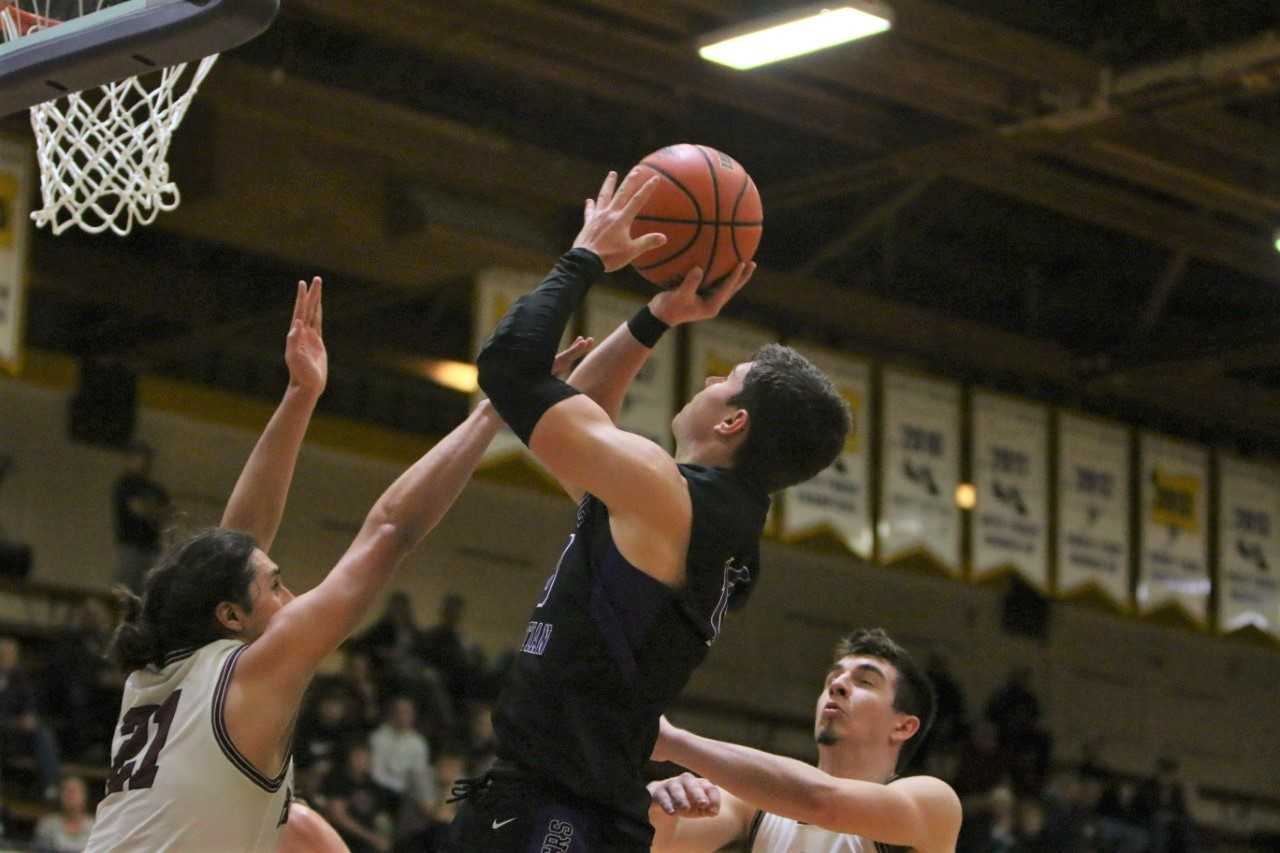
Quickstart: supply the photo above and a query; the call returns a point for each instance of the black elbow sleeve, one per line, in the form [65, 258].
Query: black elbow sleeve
[520, 396]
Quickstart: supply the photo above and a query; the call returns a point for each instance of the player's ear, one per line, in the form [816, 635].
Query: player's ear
[733, 424]
[904, 728]
[229, 616]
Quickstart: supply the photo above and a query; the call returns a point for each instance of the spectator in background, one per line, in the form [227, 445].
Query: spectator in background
[441, 646]
[356, 805]
[324, 726]
[1014, 708]
[401, 763]
[392, 642]
[364, 690]
[141, 508]
[1015, 712]
[952, 723]
[67, 830]
[450, 766]
[482, 743]
[21, 730]
[83, 685]
[1160, 805]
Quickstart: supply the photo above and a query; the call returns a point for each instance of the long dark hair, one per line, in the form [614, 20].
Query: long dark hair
[176, 610]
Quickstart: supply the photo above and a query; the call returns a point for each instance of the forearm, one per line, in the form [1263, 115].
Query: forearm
[608, 371]
[762, 780]
[515, 363]
[420, 497]
[257, 502]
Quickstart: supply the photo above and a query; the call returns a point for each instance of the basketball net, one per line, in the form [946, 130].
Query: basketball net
[102, 152]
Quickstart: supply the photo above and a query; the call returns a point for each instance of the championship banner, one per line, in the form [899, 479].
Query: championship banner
[920, 469]
[496, 290]
[15, 233]
[651, 400]
[838, 499]
[715, 348]
[1248, 546]
[1093, 508]
[1011, 478]
[1173, 567]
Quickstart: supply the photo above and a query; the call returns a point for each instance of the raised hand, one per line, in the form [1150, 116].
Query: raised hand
[304, 351]
[685, 304]
[607, 220]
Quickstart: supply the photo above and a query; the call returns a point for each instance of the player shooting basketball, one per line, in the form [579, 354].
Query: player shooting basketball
[662, 546]
[874, 710]
[219, 650]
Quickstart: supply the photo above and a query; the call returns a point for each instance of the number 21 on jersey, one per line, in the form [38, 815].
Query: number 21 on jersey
[135, 727]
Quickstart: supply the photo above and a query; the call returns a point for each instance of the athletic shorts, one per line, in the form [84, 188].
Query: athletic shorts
[515, 813]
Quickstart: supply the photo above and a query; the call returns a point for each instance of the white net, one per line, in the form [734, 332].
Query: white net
[103, 152]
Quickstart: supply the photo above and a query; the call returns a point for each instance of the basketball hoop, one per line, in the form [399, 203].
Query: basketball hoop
[103, 150]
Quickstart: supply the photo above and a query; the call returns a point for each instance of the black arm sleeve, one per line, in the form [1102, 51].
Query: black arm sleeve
[515, 363]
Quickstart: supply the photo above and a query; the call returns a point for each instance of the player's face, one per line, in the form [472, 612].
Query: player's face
[267, 593]
[710, 405]
[856, 703]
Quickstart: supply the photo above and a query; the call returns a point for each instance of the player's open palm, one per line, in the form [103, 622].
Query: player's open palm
[687, 304]
[304, 351]
[607, 221]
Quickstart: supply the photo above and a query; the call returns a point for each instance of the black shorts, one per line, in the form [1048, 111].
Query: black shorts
[516, 813]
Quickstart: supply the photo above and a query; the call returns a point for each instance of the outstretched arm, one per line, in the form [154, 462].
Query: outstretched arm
[691, 815]
[919, 812]
[315, 623]
[257, 502]
[607, 373]
[567, 431]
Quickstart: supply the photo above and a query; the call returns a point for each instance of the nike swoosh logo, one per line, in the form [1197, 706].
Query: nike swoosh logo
[499, 825]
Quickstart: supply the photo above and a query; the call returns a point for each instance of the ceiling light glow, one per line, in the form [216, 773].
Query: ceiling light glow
[794, 34]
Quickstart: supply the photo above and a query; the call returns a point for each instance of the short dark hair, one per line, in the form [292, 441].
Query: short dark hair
[798, 421]
[913, 692]
[179, 596]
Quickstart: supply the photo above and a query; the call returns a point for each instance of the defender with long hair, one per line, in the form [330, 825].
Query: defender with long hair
[220, 651]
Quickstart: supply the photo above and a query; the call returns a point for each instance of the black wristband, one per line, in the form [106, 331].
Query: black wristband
[646, 328]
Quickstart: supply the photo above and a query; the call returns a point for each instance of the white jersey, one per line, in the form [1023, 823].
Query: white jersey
[773, 834]
[177, 782]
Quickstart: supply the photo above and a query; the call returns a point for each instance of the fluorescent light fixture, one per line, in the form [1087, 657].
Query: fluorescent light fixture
[794, 33]
[1277, 240]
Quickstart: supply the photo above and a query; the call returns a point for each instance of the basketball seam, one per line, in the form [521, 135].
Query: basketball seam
[675, 220]
[715, 232]
[733, 216]
[697, 208]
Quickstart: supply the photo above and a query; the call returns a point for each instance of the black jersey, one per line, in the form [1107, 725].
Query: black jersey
[608, 647]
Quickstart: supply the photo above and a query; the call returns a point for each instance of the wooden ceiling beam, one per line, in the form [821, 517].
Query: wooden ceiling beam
[1123, 212]
[570, 39]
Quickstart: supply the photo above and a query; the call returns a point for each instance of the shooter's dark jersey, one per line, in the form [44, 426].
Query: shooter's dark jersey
[608, 647]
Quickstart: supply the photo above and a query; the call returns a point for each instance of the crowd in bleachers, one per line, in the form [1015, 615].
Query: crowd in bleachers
[1018, 799]
[382, 739]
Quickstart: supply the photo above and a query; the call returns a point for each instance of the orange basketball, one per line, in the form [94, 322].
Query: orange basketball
[708, 207]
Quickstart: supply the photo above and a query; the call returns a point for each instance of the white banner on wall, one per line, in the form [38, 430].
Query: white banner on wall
[1093, 508]
[920, 469]
[1248, 545]
[16, 165]
[496, 290]
[1011, 476]
[1173, 566]
[838, 499]
[650, 401]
